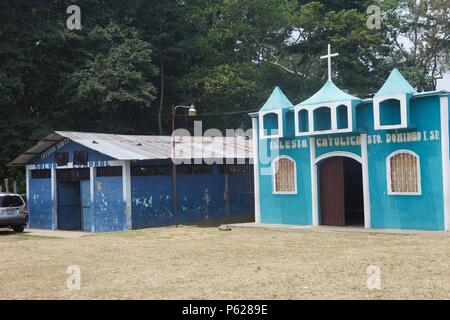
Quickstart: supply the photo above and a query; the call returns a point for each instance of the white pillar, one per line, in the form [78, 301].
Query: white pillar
[445, 160]
[365, 178]
[333, 113]
[93, 174]
[126, 188]
[310, 121]
[314, 191]
[54, 199]
[255, 139]
[27, 187]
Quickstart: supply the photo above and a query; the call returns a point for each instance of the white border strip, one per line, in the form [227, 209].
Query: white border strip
[314, 192]
[344, 154]
[365, 178]
[93, 174]
[255, 141]
[445, 159]
[126, 189]
[54, 199]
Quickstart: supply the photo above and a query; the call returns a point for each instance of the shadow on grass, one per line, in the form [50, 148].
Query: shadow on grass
[7, 232]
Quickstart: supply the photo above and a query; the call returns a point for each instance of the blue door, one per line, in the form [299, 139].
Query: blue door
[69, 205]
[85, 191]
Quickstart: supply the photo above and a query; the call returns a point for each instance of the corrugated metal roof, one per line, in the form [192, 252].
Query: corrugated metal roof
[140, 147]
[37, 149]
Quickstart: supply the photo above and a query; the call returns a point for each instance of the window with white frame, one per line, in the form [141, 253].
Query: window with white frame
[403, 173]
[284, 176]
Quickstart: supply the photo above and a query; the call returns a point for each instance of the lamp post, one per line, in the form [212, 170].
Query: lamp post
[192, 112]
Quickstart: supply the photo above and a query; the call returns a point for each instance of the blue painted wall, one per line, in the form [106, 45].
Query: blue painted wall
[109, 207]
[40, 205]
[151, 198]
[200, 199]
[410, 211]
[285, 208]
[86, 205]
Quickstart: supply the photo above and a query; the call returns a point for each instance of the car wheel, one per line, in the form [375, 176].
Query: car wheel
[18, 229]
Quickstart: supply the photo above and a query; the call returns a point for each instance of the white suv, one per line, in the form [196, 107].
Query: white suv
[13, 212]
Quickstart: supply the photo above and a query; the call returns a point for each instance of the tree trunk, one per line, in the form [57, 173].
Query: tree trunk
[161, 93]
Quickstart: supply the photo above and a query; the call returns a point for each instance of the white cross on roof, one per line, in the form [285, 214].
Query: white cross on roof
[329, 56]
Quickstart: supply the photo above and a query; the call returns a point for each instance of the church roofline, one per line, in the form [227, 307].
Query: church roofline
[327, 94]
[276, 101]
[395, 84]
[417, 95]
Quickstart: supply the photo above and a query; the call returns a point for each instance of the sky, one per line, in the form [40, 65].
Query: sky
[444, 84]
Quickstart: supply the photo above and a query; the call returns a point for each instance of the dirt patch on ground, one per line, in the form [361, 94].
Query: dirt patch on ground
[204, 263]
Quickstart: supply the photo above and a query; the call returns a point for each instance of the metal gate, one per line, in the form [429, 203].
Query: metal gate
[239, 193]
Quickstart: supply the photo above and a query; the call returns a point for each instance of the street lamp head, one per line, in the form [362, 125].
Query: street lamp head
[192, 112]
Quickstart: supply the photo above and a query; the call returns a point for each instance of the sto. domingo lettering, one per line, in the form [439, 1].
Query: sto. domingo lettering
[387, 138]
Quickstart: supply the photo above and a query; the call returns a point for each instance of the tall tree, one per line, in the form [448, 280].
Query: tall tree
[419, 34]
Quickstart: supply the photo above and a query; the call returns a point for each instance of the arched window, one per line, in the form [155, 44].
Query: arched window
[322, 119]
[284, 176]
[390, 112]
[303, 125]
[270, 121]
[342, 117]
[403, 173]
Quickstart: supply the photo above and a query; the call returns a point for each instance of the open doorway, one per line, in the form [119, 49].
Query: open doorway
[341, 192]
[73, 198]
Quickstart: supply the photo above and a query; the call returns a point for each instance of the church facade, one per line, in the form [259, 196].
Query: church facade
[339, 160]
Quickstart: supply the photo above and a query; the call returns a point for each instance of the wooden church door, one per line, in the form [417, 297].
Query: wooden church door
[332, 197]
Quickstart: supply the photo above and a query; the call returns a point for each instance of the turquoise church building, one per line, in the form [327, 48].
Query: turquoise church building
[339, 160]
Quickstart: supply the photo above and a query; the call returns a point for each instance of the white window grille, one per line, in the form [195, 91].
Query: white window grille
[404, 173]
[285, 176]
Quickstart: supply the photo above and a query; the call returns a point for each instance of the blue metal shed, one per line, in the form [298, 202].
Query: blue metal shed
[105, 182]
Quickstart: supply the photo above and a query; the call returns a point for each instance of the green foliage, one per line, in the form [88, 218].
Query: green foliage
[119, 74]
[419, 37]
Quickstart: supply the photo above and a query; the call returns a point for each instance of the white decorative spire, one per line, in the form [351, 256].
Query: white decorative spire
[329, 56]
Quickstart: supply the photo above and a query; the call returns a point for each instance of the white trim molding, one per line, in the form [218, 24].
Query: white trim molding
[365, 178]
[256, 169]
[314, 189]
[344, 154]
[333, 106]
[388, 174]
[274, 162]
[403, 100]
[92, 175]
[262, 130]
[445, 150]
[27, 187]
[126, 189]
[54, 197]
